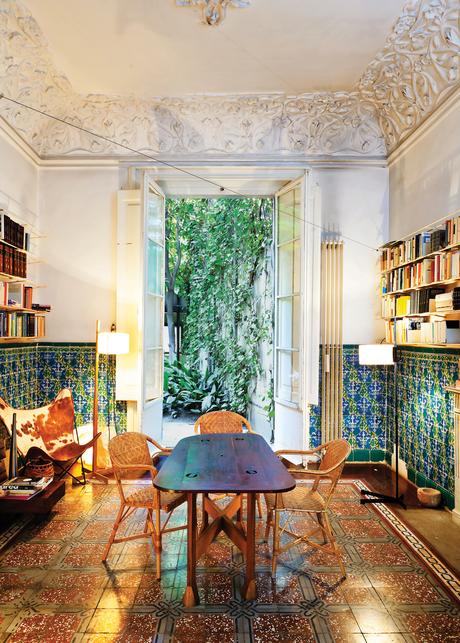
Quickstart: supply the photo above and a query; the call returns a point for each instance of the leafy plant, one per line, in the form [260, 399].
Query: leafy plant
[186, 389]
[224, 274]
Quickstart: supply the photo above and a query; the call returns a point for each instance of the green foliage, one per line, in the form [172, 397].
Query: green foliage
[226, 251]
[188, 389]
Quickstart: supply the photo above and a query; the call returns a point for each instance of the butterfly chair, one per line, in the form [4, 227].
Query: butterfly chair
[308, 500]
[225, 422]
[129, 453]
[49, 430]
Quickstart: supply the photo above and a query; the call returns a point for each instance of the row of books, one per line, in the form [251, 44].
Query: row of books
[415, 303]
[19, 324]
[23, 488]
[420, 331]
[12, 261]
[423, 272]
[448, 301]
[13, 232]
[420, 245]
[15, 294]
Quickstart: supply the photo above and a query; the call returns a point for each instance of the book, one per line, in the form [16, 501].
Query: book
[26, 484]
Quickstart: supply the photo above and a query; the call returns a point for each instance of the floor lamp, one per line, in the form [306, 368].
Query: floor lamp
[107, 343]
[384, 355]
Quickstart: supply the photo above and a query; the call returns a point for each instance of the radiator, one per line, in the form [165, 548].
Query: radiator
[331, 339]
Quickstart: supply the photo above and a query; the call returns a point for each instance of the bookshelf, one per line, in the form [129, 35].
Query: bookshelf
[21, 321]
[420, 286]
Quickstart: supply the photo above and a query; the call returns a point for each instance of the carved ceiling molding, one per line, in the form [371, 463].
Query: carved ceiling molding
[416, 70]
[407, 81]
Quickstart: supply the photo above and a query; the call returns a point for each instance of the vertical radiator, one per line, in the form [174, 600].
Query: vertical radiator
[331, 339]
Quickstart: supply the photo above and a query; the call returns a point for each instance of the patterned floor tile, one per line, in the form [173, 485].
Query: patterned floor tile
[46, 628]
[204, 628]
[27, 555]
[56, 570]
[363, 528]
[434, 628]
[286, 628]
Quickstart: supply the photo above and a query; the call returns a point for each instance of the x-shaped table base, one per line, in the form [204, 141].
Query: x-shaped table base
[221, 521]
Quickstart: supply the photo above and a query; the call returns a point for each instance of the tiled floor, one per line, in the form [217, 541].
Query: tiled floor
[53, 587]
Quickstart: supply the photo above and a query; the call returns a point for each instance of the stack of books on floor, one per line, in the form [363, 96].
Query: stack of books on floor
[23, 488]
[448, 301]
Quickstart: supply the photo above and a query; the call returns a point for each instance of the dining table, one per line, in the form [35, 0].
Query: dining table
[241, 464]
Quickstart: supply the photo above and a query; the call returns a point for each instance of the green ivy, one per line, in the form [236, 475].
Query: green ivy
[226, 246]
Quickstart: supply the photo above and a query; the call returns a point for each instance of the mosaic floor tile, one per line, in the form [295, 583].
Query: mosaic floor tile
[383, 554]
[46, 628]
[288, 628]
[363, 528]
[434, 628]
[204, 628]
[28, 555]
[388, 593]
[129, 626]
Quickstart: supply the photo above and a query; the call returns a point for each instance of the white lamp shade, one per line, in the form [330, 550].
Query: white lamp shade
[113, 343]
[376, 354]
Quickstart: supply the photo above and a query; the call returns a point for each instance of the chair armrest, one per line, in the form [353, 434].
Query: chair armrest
[156, 444]
[298, 452]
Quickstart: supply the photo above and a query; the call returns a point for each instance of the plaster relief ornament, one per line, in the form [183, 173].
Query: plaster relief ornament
[213, 11]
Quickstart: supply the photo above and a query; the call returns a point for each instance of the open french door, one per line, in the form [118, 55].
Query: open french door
[296, 350]
[140, 304]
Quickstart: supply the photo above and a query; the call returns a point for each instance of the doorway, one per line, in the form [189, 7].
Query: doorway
[293, 339]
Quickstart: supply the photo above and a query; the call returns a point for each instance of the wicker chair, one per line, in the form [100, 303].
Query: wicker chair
[308, 500]
[225, 422]
[130, 454]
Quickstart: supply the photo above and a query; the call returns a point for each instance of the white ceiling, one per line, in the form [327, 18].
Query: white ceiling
[151, 48]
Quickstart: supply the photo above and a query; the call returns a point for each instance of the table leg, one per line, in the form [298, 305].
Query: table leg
[205, 517]
[249, 590]
[191, 593]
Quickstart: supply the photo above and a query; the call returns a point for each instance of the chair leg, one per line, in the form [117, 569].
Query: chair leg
[83, 470]
[113, 533]
[276, 541]
[158, 543]
[259, 505]
[334, 545]
[269, 524]
[319, 516]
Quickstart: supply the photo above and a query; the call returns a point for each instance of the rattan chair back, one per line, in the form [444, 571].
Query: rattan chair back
[222, 422]
[128, 448]
[335, 453]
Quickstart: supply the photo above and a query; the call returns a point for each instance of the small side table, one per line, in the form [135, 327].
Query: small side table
[41, 504]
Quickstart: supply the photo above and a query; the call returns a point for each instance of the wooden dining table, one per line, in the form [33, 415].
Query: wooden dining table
[236, 463]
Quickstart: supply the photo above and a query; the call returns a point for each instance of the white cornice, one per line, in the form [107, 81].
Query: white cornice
[413, 74]
[451, 103]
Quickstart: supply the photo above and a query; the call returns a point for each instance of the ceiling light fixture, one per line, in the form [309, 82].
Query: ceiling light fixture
[213, 11]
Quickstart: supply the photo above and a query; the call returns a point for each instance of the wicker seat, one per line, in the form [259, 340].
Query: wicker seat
[308, 500]
[225, 422]
[130, 454]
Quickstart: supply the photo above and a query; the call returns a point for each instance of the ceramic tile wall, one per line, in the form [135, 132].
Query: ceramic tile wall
[425, 413]
[364, 406]
[31, 376]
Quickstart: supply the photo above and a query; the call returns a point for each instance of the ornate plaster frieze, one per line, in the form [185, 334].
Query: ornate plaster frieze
[416, 70]
[312, 124]
[408, 79]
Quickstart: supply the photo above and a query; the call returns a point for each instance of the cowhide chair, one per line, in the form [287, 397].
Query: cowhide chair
[49, 430]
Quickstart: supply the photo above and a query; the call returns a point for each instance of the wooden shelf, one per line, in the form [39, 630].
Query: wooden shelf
[431, 345]
[452, 314]
[443, 282]
[18, 309]
[19, 340]
[453, 246]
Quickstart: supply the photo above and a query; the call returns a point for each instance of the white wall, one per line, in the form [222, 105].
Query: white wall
[355, 203]
[425, 173]
[77, 215]
[18, 178]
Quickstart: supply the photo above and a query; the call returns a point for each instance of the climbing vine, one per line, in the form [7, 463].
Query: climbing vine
[225, 278]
